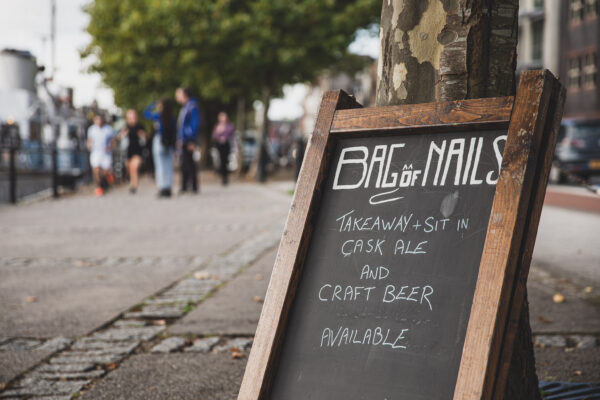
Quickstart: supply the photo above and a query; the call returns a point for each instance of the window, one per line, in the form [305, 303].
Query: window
[574, 73]
[576, 10]
[537, 4]
[590, 8]
[537, 34]
[589, 71]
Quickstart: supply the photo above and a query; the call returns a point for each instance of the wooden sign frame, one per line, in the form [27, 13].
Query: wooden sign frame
[532, 118]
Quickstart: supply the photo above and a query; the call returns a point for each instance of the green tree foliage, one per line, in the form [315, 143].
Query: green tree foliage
[221, 49]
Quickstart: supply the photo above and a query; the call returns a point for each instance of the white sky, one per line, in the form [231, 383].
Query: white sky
[25, 25]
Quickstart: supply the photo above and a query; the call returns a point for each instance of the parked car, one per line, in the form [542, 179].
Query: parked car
[578, 150]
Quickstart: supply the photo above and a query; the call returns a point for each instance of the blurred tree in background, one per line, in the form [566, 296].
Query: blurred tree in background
[223, 50]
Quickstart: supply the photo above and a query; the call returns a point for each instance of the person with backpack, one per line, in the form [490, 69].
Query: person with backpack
[188, 125]
[163, 144]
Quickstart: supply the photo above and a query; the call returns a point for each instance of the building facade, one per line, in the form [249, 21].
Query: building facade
[564, 36]
[579, 44]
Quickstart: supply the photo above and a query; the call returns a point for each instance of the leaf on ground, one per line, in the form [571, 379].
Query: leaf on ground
[201, 275]
[159, 322]
[259, 277]
[588, 289]
[258, 299]
[30, 299]
[563, 280]
[558, 298]
[110, 367]
[577, 372]
[236, 353]
[543, 319]
[79, 263]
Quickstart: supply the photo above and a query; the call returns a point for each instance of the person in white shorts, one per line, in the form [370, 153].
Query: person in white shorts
[100, 142]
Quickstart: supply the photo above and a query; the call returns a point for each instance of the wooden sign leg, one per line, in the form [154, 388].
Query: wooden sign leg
[512, 221]
[546, 151]
[292, 249]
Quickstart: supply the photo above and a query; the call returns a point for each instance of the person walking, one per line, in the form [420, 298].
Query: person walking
[163, 144]
[134, 131]
[100, 141]
[188, 124]
[223, 136]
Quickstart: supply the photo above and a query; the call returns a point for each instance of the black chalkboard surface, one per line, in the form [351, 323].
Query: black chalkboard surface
[385, 293]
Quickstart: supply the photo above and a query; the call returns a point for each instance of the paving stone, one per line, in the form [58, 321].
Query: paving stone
[66, 368]
[110, 261]
[173, 299]
[109, 351]
[41, 387]
[19, 344]
[56, 344]
[107, 347]
[118, 334]
[82, 358]
[129, 323]
[169, 345]
[92, 374]
[158, 312]
[551, 341]
[240, 343]
[203, 345]
[584, 342]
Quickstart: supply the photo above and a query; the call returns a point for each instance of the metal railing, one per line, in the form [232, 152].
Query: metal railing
[33, 168]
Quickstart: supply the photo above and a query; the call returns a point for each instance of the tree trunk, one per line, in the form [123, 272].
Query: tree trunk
[438, 50]
[262, 149]
[434, 50]
[240, 124]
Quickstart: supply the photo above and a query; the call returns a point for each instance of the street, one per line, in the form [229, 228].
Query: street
[132, 297]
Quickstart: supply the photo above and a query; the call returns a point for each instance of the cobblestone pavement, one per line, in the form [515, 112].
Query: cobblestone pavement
[180, 264]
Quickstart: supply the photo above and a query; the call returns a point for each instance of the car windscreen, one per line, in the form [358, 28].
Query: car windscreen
[582, 131]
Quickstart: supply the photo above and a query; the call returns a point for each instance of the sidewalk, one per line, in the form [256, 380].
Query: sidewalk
[171, 313]
[88, 280]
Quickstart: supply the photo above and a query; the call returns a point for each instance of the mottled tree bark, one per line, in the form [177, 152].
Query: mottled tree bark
[434, 50]
[437, 50]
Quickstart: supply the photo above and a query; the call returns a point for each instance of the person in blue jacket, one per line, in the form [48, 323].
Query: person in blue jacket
[163, 144]
[188, 125]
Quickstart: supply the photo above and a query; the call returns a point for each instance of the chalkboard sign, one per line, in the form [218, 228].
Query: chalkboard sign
[409, 225]
[390, 272]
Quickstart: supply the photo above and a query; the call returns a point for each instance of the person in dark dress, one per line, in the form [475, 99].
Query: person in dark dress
[137, 136]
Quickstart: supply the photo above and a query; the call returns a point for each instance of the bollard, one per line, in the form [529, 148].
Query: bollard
[262, 162]
[54, 172]
[12, 175]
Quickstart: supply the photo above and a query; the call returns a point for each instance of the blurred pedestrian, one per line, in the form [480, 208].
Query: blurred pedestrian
[188, 124]
[134, 131]
[163, 144]
[223, 136]
[100, 143]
